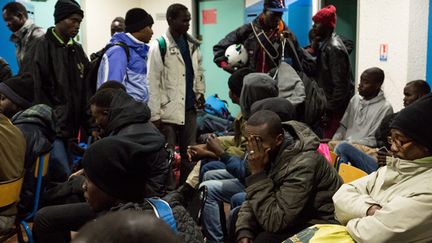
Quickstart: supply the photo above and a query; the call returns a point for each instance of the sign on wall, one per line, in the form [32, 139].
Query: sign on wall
[209, 16]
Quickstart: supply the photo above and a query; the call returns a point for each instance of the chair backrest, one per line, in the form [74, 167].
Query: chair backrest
[350, 173]
[10, 191]
[334, 159]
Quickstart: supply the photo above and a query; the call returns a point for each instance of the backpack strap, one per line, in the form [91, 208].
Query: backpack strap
[265, 43]
[162, 47]
[163, 211]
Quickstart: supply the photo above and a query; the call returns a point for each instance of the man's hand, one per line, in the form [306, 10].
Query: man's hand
[158, 123]
[214, 145]
[197, 152]
[372, 209]
[382, 158]
[78, 173]
[200, 102]
[245, 240]
[258, 157]
[96, 135]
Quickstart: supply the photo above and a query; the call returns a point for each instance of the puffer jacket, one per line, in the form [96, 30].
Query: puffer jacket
[58, 73]
[295, 192]
[334, 73]
[133, 74]
[37, 125]
[167, 79]
[130, 118]
[245, 35]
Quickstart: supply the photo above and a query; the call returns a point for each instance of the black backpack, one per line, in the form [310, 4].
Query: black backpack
[316, 102]
[95, 60]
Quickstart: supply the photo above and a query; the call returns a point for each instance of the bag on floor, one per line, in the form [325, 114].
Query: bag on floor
[322, 233]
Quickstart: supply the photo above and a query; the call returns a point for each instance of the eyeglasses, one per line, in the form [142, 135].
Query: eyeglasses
[397, 142]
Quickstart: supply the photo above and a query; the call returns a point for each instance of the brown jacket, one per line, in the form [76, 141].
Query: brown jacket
[294, 193]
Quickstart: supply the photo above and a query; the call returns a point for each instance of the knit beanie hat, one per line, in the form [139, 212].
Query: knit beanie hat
[65, 8]
[235, 81]
[120, 167]
[415, 121]
[326, 16]
[281, 106]
[19, 89]
[137, 19]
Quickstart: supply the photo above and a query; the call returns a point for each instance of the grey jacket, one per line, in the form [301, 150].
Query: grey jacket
[294, 193]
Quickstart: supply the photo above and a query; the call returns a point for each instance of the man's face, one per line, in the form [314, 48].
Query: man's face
[8, 108]
[272, 19]
[96, 198]
[410, 95]
[181, 23]
[406, 148]
[70, 26]
[117, 26]
[319, 31]
[13, 22]
[368, 87]
[145, 34]
[100, 115]
[262, 133]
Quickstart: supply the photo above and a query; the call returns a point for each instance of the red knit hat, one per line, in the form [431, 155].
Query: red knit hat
[326, 16]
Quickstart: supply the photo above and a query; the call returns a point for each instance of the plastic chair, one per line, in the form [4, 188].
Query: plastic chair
[350, 173]
[334, 159]
[10, 192]
[41, 169]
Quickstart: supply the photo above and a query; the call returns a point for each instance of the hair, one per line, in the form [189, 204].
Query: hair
[421, 87]
[174, 10]
[119, 19]
[103, 97]
[16, 8]
[235, 81]
[273, 121]
[377, 74]
[112, 84]
[129, 225]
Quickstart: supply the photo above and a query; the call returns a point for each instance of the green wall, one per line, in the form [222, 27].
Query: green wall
[227, 19]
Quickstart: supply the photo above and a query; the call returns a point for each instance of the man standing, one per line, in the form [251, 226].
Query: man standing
[177, 83]
[126, 60]
[25, 32]
[291, 184]
[58, 73]
[262, 40]
[333, 73]
[117, 25]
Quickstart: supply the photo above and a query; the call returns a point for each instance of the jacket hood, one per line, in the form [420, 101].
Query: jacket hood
[41, 115]
[305, 138]
[124, 111]
[139, 47]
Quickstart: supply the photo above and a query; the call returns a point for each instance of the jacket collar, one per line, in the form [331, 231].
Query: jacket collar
[21, 33]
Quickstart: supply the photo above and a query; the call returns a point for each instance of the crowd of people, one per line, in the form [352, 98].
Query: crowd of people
[143, 105]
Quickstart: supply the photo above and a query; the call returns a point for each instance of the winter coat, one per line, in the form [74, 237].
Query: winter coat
[37, 125]
[294, 193]
[133, 74]
[130, 118]
[402, 189]
[187, 229]
[25, 39]
[12, 153]
[5, 71]
[245, 35]
[167, 79]
[334, 73]
[58, 72]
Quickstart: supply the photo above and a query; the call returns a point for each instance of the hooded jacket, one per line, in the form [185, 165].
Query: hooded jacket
[130, 119]
[37, 125]
[403, 190]
[58, 73]
[133, 73]
[294, 193]
[362, 119]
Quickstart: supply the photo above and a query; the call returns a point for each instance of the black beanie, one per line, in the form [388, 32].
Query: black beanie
[137, 19]
[281, 106]
[65, 8]
[415, 121]
[235, 81]
[120, 167]
[19, 89]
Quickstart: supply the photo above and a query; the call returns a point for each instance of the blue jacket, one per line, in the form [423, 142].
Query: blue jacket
[114, 66]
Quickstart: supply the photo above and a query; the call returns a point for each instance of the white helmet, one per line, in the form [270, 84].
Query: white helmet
[236, 55]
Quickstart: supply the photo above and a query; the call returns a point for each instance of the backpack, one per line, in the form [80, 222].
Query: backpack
[95, 60]
[315, 102]
[163, 211]
[162, 47]
[217, 107]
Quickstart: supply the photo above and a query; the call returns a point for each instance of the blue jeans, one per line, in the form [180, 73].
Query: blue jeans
[208, 166]
[221, 187]
[357, 158]
[59, 169]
